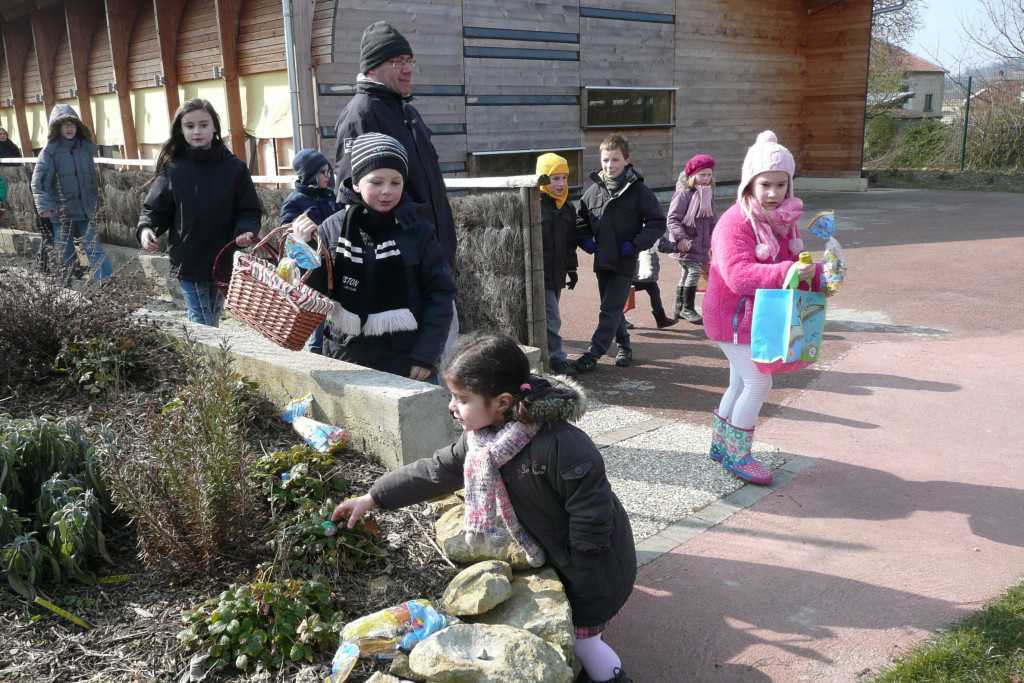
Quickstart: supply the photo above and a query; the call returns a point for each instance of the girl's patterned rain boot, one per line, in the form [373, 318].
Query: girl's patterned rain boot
[738, 460]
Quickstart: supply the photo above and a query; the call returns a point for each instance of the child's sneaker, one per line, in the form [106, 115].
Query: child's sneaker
[561, 366]
[624, 358]
[585, 363]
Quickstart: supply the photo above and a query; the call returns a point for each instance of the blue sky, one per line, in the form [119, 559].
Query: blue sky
[940, 37]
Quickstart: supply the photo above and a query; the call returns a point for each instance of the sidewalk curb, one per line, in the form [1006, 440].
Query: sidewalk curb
[680, 532]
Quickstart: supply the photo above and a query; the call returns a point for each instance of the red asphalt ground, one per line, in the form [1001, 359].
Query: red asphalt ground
[911, 514]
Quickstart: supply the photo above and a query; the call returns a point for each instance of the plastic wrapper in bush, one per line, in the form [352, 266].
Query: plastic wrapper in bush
[491, 280]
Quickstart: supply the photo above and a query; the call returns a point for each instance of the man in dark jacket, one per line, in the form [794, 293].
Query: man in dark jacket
[381, 105]
[618, 218]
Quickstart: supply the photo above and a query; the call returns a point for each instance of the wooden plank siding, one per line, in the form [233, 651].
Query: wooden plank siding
[33, 83]
[63, 69]
[144, 64]
[754, 82]
[322, 38]
[261, 38]
[198, 42]
[101, 62]
[525, 15]
[5, 83]
[836, 42]
[626, 53]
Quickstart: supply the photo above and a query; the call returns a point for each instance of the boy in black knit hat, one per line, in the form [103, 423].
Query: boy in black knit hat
[392, 287]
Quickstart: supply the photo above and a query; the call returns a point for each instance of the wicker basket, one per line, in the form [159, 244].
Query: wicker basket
[283, 313]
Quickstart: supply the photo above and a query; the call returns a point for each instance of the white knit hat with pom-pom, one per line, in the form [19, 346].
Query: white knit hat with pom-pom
[766, 154]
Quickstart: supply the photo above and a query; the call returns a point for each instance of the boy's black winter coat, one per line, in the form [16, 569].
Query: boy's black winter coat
[378, 109]
[632, 215]
[559, 232]
[206, 198]
[430, 289]
[561, 496]
[320, 203]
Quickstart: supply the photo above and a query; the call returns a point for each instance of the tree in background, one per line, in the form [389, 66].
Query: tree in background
[998, 30]
[892, 24]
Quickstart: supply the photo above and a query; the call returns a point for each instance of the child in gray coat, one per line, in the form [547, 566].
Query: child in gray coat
[65, 190]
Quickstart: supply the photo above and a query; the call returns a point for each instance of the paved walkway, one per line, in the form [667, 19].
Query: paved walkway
[900, 508]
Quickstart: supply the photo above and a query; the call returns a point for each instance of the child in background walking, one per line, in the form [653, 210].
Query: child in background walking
[558, 221]
[519, 457]
[393, 289]
[646, 280]
[65, 190]
[618, 218]
[203, 194]
[691, 220]
[754, 245]
[314, 196]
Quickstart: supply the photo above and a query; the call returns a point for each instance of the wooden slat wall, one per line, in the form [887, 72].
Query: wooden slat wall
[32, 82]
[432, 27]
[5, 82]
[261, 38]
[144, 50]
[837, 43]
[323, 31]
[101, 64]
[63, 72]
[515, 127]
[754, 79]
[198, 42]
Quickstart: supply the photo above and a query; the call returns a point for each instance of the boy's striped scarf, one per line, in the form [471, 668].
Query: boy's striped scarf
[489, 450]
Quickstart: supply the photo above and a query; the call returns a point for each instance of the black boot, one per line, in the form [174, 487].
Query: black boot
[689, 313]
[680, 302]
[660, 319]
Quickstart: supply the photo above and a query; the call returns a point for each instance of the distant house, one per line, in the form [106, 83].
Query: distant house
[923, 86]
[999, 93]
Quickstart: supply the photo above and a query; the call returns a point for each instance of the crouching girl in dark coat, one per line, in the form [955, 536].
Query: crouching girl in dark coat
[520, 457]
[393, 289]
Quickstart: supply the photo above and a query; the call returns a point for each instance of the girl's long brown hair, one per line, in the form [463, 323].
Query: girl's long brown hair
[176, 143]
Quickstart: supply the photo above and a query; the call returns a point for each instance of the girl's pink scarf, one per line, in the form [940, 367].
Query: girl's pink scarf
[701, 205]
[769, 226]
[489, 450]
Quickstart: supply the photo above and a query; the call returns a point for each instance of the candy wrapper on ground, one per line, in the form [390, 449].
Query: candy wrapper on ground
[345, 659]
[833, 265]
[319, 435]
[382, 634]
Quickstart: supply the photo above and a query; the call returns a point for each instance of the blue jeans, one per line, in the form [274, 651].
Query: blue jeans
[555, 350]
[64, 244]
[204, 302]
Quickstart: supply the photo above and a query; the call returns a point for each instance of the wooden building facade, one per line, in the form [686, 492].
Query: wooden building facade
[497, 81]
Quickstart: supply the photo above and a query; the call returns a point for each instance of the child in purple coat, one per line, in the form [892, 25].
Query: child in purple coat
[691, 219]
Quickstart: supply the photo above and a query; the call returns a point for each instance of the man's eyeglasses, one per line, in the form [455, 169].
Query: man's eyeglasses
[402, 62]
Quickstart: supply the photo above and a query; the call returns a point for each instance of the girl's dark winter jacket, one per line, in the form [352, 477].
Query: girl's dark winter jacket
[559, 232]
[430, 291]
[206, 199]
[561, 495]
[632, 215]
[320, 203]
[379, 109]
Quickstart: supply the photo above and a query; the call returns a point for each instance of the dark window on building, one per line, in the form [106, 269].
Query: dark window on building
[626, 108]
[927, 102]
[487, 164]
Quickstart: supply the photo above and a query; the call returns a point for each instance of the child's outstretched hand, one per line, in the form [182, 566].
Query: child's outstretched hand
[245, 239]
[303, 228]
[354, 509]
[148, 240]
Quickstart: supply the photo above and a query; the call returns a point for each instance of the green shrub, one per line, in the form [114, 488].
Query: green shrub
[186, 483]
[266, 622]
[925, 143]
[52, 503]
[881, 134]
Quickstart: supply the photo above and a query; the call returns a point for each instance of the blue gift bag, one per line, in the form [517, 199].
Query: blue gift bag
[786, 329]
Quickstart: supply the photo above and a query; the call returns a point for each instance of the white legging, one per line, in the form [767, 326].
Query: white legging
[748, 388]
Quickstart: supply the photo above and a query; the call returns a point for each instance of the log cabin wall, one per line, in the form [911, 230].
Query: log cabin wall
[144, 66]
[64, 72]
[198, 55]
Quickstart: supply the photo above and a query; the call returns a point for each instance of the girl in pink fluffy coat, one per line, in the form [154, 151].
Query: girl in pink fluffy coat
[753, 247]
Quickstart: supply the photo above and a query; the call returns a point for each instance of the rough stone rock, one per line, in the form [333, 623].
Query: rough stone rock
[451, 538]
[400, 668]
[539, 605]
[443, 505]
[478, 588]
[379, 677]
[482, 653]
